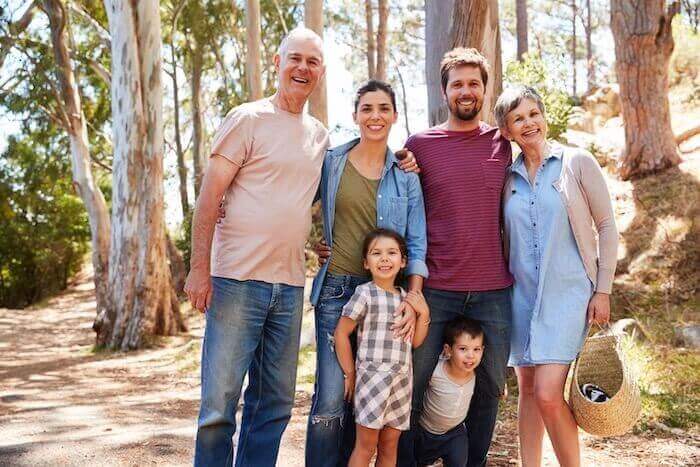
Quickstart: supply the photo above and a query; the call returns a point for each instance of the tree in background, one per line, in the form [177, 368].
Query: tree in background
[473, 23]
[318, 102]
[69, 116]
[253, 67]
[521, 27]
[143, 301]
[643, 47]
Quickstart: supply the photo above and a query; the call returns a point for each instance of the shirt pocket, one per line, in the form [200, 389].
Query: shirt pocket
[494, 174]
[398, 213]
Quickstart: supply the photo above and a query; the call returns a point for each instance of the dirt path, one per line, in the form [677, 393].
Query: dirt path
[62, 404]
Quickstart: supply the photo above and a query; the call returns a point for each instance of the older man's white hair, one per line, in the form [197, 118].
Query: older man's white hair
[300, 32]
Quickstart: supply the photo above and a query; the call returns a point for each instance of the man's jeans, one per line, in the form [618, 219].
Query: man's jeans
[252, 327]
[330, 432]
[493, 311]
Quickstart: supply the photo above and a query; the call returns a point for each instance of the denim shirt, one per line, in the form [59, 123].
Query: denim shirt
[399, 208]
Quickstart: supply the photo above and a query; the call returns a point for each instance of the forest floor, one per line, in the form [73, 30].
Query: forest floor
[63, 403]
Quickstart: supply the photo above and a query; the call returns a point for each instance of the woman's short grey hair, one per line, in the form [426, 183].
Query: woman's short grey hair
[511, 98]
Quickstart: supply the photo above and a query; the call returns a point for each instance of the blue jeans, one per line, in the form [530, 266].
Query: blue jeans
[252, 327]
[493, 311]
[452, 447]
[330, 432]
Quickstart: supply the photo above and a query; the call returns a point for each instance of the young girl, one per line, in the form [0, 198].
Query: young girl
[381, 380]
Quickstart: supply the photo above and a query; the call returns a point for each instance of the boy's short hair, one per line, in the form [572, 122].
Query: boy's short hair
[459, 326]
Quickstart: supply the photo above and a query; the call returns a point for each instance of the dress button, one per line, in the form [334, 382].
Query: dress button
[379, 196]
[381, 218]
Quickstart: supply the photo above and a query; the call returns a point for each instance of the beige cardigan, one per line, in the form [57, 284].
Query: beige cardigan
[587, 200]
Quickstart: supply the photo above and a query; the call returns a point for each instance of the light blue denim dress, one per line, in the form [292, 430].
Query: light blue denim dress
[551, 291]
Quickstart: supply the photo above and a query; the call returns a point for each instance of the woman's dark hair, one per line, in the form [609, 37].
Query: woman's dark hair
[388, 233]
[459, 326]
[372, 86]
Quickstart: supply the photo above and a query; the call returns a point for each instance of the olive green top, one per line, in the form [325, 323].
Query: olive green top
[355, 217]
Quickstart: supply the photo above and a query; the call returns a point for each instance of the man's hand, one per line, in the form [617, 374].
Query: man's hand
[599, 308]
[198, 289]
[404, 322]
[407, 161]
[323, 251]
[221, 211]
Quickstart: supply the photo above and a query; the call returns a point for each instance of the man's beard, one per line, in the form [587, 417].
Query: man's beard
[466, 116]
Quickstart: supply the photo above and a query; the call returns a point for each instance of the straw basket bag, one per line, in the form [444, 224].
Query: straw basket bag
[602, 363]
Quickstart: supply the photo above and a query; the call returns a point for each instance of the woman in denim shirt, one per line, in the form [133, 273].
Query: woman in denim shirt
[362, 187]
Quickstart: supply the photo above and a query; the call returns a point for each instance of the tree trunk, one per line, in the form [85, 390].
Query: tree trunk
[76, 127]
[253, 57]
[383, 8]
[573, 46]
[590, 62]
[318, 102]
[143, 301]
[438, 29]
[476, 25]
[643, 47]
[521, 27]
[198, 161]
[371, 45]
[181, 168]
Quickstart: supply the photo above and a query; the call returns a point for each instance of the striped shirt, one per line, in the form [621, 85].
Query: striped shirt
[462, 175]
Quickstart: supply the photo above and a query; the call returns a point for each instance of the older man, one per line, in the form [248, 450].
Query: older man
[247, 272]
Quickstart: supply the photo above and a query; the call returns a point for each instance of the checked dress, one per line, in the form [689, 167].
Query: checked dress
[384, 379]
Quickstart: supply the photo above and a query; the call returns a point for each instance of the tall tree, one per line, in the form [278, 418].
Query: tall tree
[143, 300]
[382, 24]
[72, 120]
[473, 23]
[521, 27]
[177, 7]
[574, 14]
[253, 57]
[318, 102]
[643, 47]
[590, 62]
[371, 44]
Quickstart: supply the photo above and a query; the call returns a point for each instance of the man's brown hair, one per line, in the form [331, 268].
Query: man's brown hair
[460, 56]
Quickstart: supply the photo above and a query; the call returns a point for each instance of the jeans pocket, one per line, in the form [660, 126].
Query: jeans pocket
[330, 292]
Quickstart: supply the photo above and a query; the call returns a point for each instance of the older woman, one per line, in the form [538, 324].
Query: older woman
[563, 271]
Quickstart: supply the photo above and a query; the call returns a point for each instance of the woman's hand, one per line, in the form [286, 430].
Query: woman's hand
[349, 387]
[407, 161]
[404, 322]
[323, 251]
[599, 308]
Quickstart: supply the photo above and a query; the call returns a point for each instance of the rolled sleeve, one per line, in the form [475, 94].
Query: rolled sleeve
[416, 236]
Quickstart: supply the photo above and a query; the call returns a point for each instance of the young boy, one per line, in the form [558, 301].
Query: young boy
[441, 430]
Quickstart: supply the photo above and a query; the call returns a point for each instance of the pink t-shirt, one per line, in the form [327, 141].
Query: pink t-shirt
[462, 176]
[268, 204]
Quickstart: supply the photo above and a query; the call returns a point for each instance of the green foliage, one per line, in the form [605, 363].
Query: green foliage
[44, 231]
[532, 71]
[183, 243]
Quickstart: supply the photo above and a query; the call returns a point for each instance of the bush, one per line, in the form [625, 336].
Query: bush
[532, 71]
[44, 231]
